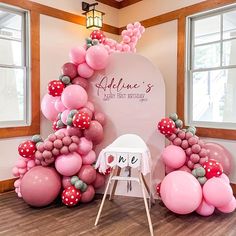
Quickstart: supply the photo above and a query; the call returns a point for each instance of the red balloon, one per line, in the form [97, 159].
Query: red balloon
[69, 69]
[212, 168]
[55, 88]
[27, 149]
[71, 196]
[167, 126]
[81, 120]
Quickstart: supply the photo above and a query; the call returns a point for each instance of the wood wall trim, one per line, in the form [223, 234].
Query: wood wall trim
[7, 185]
[118, 5]
[56, 13]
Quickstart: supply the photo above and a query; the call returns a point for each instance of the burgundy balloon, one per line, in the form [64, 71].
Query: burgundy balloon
[81, 81]
[87, 174]
[69, 69]
[88, 195]
[94, 132]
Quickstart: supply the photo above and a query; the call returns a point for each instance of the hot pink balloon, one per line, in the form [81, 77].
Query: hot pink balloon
[81, 81]
[40, 186]
[64, 116]
[88, 195]
[181, 192]
[87, 174]
[205, 209]
[48, 107]
[85, 146]
[59, 105]
[217, 192]
[99, 181]
[85, 71]
[66, 182]
[74, 97]
[69, 164]
[97, 57]
[173, 156]
[69, 69]
[89, 159]
[77, 55]
[94, 132]
[230, 207]
[220, 154]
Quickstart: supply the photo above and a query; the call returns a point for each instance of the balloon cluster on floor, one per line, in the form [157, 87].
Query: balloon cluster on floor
[197, 172]
[63, 163]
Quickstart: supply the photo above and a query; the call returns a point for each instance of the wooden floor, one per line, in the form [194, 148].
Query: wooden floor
[123, 216]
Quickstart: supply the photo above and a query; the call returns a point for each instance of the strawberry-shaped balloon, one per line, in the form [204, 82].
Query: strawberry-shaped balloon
[167, 126]
[213, 168]
[71, 196]
[55, 88]
[99, 35]
[27, 149]
[81, 120]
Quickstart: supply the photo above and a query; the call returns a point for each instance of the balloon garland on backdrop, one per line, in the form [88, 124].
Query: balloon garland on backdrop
[63, 162]
[197, 172]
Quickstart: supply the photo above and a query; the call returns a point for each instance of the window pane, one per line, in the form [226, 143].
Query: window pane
[229, 52]
[207, 30]
[10, 52]
[207, 56]
[12, 95]
[229, 25]
[214, 96]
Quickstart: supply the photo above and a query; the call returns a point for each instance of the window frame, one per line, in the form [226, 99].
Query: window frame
[32, 63]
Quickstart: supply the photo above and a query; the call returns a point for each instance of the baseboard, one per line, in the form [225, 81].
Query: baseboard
[7, 185]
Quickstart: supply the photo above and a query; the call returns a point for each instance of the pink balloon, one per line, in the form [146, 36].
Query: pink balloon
[69, 164]
[90, 106]
[126, 39]
[205, 209]
[88, 195]
[228, 208]
[173, 156]
[64, 116]
[20, 163]
[94, 132]
[99, 181]
[85, 71]
[181, 192]
[48, 107]
[81, 81]
[77, 55]
[69, 69]
[169, 169]
[74, 97]
[97, 57]
[217, 192]
[185, 168]
[61, 132]
[225, 178]
[220, 154]
[87, 174]
[66, 182]
[89, 159]
[40, 186]
[100, 117]
[74, 131]
[85, 146]
[59, 105]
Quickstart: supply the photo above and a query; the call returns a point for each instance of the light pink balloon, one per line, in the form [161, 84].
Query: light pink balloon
[217, 192]
[99, 181]
[228, 208]
[48, 107]
[205, 209]
[87, 174]
[59, 105]
[94, 132]
[88, 195]
[85, 146]
[89, 159]
[66, 182]
[173, 156]
[97, 57]
[77, 55]
[81, 81]
[64, 116]
[85, 71]
[20, 163]
[220, 154]
[126, 39]
[74, 97]
[69, 164]
[225, 178]
[181, 192]
[40, 186]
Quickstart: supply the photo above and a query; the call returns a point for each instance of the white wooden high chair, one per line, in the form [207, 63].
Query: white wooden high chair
[127, 150]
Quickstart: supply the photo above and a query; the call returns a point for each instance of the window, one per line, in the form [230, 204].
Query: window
[211, 69]
[15, 96]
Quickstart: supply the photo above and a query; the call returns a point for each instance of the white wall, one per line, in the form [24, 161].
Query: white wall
[57, 37]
